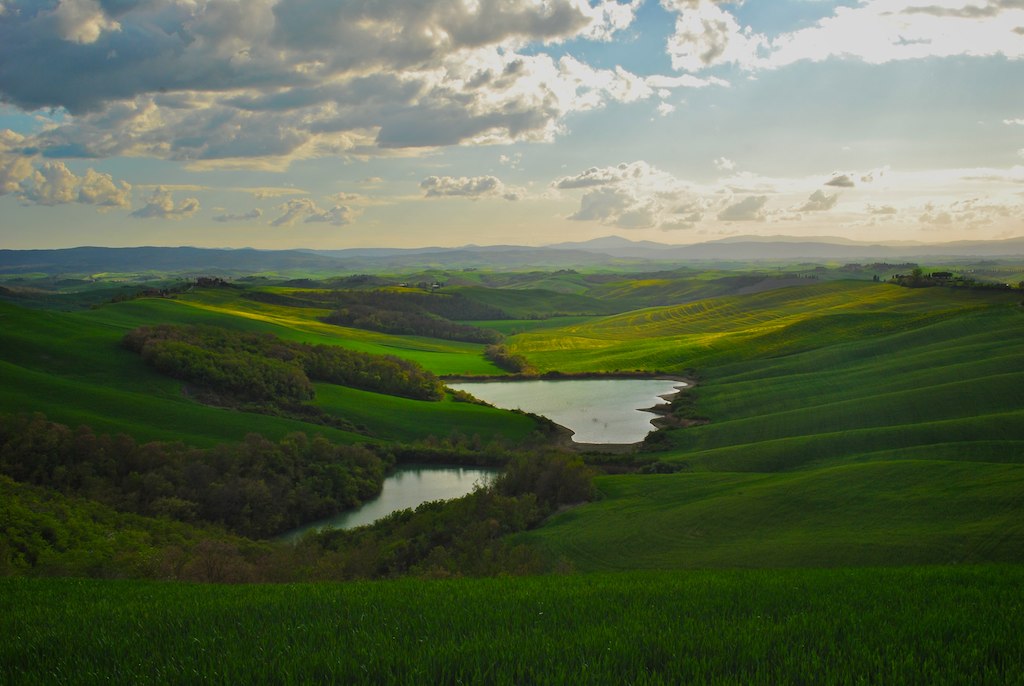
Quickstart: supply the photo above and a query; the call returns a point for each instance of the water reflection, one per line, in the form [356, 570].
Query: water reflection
[597, 410]
[407, 487]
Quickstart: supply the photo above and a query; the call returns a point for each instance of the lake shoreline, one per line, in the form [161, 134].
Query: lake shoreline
[563, 438]
[564, 376]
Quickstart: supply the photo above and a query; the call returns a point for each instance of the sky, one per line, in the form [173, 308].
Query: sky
[333, 124]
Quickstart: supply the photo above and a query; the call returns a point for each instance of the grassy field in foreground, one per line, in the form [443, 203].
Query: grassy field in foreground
[948, 625]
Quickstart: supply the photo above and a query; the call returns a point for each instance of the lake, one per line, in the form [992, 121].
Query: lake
[596, 410]
[407, 487]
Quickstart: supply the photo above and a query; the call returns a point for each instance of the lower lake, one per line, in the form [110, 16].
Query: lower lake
[407, 487]
[595, 410]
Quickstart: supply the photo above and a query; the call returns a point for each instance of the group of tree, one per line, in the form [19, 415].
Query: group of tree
[255, 488]
[465, 536]
[264, 368]
[918, 279]
[76, 503]
[507, 360]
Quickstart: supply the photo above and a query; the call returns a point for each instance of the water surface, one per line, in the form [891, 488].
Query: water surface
[407, 487]
[596, 410]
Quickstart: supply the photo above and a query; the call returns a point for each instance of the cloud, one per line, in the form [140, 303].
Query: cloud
[15, 167]
[160, 205]
[52, 183]
[634, 195]
[879, 32]
[1014, 122]
[247, 216]
[706, 35]
[971, 213]
[881, 209]
[750, 208]
[464, 187]
[81, 21]
[819, 202]
[724, 164]
[265, 82]
[841, 181]
[306, 210]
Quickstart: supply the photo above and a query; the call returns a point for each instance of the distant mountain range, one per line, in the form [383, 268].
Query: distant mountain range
[608, 251]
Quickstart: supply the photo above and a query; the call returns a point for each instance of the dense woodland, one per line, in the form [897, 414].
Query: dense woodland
[256, 488]
[262, 367]
[108, 506]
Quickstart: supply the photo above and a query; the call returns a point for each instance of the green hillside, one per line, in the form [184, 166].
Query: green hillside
[71, 366]
[877, 513]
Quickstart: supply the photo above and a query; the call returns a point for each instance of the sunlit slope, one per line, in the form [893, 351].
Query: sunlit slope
[951, 389]
[878, 513]
[71, 367]
[227, 308]
[743, 327]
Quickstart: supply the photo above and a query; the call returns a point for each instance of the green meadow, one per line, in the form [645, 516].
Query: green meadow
[934, 625]
[837, 499]
[70, 366]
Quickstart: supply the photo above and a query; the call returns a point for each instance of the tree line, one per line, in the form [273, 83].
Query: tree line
[76, 503]
[255, 488]
[405, 314]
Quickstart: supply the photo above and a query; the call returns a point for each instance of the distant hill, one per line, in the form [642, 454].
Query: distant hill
[606, 251]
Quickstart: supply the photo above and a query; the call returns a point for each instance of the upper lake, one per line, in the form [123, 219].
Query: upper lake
[595, 410]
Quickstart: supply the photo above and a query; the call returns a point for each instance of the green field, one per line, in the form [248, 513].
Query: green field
[907, 625]
[856, 447]
[70, 366]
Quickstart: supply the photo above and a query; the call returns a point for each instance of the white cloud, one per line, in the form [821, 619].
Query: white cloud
[1014, 122]
[160, 205]
[887, 30]
[750, 208]
[81, 21]
[306, 210]
[634, 195]
[52, 183]
[14, 166]
[724, 164]
[707, 35]
[465, 187]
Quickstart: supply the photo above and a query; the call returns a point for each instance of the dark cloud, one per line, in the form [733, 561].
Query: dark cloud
[819, 202]
[841, 181]
[222, 79]
[247, 216]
